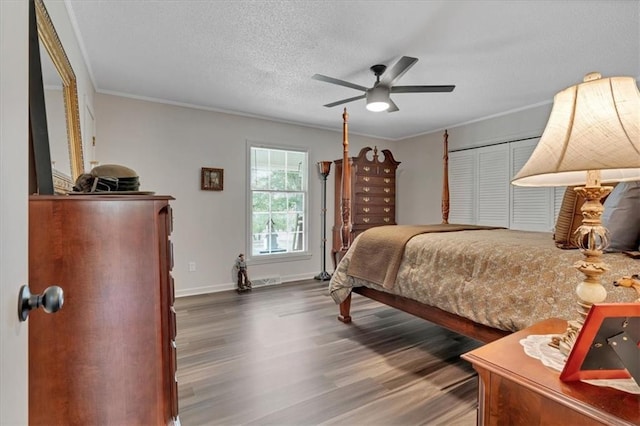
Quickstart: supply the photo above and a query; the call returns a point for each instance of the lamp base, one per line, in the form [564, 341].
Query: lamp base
[592, 239]
[564, 342]
[323, 276]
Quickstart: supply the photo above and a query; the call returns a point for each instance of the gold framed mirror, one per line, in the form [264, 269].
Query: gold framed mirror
[64, 173]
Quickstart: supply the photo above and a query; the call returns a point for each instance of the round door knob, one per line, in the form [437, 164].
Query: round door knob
[51, 300]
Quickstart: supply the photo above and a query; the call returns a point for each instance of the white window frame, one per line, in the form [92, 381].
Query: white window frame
[304, 254]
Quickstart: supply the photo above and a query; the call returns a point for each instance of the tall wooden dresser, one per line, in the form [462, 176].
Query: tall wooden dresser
[108, 357]
[373, 194]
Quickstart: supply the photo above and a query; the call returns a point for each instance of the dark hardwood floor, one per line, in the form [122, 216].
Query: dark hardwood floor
[279, 356]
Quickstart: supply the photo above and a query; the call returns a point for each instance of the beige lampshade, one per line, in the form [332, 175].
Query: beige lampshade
[594, 125]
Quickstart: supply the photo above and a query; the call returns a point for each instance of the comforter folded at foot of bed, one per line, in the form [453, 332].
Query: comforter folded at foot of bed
[376, 257]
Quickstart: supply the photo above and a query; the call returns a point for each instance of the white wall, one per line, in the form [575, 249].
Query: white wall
[419, 187]
[517, 125]
[167, 145]
[14, 143]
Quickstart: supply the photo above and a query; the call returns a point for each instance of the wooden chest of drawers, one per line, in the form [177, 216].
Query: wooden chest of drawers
[373, 189]
[108, 356]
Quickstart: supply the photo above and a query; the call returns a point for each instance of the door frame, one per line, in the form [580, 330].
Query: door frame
[14, 172]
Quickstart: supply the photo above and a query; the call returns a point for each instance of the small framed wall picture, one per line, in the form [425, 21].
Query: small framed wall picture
[211, 179]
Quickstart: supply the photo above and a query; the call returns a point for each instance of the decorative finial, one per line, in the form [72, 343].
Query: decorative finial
[345, 116]
[592, 76]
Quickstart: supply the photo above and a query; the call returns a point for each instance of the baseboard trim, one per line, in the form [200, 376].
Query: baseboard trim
[214, 288]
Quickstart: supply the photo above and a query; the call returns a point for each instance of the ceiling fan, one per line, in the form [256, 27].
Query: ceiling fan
[378, 98]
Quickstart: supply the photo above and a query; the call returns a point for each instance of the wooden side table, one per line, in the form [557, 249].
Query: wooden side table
[515, 389]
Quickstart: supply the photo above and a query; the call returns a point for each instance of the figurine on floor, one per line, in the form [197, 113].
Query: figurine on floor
[243, 279]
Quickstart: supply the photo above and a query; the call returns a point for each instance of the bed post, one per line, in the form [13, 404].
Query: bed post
[345, 310]
[445, 180]
[345, 230]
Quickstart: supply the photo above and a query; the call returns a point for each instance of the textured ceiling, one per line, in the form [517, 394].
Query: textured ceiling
[256, 58]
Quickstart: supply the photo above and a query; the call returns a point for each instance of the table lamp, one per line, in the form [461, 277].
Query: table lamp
[592, 136]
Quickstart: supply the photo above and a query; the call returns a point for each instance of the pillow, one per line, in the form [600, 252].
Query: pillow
[570, 218]
[622, 216]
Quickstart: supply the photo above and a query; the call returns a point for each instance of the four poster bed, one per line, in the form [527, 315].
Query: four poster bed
[481, 282]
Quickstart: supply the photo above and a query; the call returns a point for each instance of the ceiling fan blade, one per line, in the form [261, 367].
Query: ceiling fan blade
[332, 80]
[392, 106]
[422, 89]
[397, 70]
[344, 101]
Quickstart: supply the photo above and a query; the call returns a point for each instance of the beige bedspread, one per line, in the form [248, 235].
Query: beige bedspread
[502, 278]
[377, 255]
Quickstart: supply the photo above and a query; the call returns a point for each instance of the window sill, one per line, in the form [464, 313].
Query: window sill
[278, 258]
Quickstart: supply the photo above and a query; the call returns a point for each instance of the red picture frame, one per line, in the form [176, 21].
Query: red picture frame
[592, 357]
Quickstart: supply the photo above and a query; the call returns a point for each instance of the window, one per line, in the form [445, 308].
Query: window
[278, 199]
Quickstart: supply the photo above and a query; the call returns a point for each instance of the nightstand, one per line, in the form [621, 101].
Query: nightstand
[515, 389]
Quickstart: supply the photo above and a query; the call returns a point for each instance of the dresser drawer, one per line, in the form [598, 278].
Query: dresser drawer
[364, 180]
[374, 220]
[174, 384]
[374, 169]
[172, 291]
[364, 190]
[170, 254]
[169, 220]
[377, 209]
[172, 323]
[374, 200]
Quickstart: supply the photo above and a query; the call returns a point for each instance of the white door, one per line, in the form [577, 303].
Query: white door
[14, 142]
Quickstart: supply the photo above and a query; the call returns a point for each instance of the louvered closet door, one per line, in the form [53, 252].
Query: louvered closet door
[533, 209]
[462, 167]
[493, 185]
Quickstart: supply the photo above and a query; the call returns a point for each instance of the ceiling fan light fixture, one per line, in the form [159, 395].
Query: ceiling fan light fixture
[377, 106]
[378, 99]
[378, 96]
